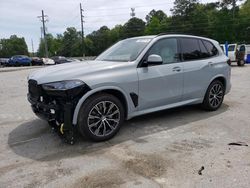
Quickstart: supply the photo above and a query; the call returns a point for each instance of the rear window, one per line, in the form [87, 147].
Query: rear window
[212, 50]
[190, 49]
[204, 53]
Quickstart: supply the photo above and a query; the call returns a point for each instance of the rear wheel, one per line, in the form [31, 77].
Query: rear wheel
[214, 96]
[241, 63]
[100, 117]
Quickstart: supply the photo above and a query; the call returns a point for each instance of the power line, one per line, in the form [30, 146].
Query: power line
[127, 7]
[120, 14]
[138, 6]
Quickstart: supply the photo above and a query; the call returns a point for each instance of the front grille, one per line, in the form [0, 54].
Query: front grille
[34, 89]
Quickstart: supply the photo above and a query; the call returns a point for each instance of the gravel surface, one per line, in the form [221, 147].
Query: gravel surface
[163, 149]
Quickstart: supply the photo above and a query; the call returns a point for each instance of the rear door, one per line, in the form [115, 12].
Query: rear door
[161, 85]
[198, 65]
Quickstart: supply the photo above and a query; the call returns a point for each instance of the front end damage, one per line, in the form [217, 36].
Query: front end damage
[56, 103]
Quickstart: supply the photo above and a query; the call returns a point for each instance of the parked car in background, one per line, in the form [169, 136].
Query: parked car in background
[73, 59]
[36, 61]
[48, 61]
[4, 61]
[135, 76]
[60, 59]
[19, 60]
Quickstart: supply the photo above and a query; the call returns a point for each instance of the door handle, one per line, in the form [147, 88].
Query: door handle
[210, 63]
[177, 69]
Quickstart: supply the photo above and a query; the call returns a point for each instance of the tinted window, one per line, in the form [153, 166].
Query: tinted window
[242, 48]
[203, 51]
[212, 50]
[167, 49]
[190, 49]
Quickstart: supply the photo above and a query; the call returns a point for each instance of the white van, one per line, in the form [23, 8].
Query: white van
[232, 51]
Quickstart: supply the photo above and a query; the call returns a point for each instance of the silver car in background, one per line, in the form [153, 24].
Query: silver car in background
[133, 77]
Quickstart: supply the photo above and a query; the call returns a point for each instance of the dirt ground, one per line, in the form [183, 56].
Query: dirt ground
[163, 149]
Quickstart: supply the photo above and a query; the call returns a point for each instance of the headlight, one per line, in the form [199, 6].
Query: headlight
[62, 85]
[68, 89]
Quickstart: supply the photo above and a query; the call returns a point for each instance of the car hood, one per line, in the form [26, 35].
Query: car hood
[73, 70]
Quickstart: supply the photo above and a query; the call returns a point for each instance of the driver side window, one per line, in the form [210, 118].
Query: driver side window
[167, 49]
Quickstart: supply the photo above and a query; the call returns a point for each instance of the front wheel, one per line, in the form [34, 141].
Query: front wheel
[100, 117]
[214, 96]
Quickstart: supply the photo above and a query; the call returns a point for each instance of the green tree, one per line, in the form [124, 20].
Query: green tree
[233, 3]
[116, 33]
[183, 7]
[13, 46]
[244, 22]
[89, 47]
[157, 22]
[71, 43]
[101, 39]
[54, 45]
[134, 27]
[159, 14]
[181, 21]
[153, 26]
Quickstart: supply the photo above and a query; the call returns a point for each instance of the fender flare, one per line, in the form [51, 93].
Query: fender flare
[214, 78]
[218, 76]
[92, 92]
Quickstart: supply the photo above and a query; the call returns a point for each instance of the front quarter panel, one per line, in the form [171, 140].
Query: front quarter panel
[123, 79]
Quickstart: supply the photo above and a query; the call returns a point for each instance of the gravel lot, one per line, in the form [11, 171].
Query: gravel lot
[164, 149]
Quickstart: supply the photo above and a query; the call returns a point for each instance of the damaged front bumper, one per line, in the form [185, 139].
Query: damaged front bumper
[55, 108]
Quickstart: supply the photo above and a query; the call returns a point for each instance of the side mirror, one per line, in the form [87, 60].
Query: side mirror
[154, 60]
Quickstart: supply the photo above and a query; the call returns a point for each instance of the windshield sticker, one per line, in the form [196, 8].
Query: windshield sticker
[143, 40]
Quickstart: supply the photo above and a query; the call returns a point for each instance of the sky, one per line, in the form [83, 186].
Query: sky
[20, 17]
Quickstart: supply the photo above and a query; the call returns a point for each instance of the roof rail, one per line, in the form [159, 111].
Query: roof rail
[168, 33]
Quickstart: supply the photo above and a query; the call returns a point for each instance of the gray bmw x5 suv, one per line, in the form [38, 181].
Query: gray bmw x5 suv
[133, 77]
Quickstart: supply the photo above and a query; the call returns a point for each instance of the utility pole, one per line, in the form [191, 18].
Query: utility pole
[41, 29]
[32, 45]
[82, 33]
[44, 32]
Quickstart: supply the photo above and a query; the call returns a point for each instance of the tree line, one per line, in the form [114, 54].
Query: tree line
[13, 46]
[227, 20]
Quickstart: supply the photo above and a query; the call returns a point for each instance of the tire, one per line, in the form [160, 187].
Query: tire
[96, 122]
[241, 63]
[214, 96]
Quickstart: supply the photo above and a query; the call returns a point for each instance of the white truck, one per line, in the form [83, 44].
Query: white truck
[237, 53]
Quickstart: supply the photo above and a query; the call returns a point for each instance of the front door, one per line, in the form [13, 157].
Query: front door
[161, 85]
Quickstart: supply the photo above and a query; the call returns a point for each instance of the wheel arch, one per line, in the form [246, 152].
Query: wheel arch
[218, 77]
[222, 79]
[113, 90]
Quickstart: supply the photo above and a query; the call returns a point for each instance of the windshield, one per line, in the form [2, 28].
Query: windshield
[125, 50]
